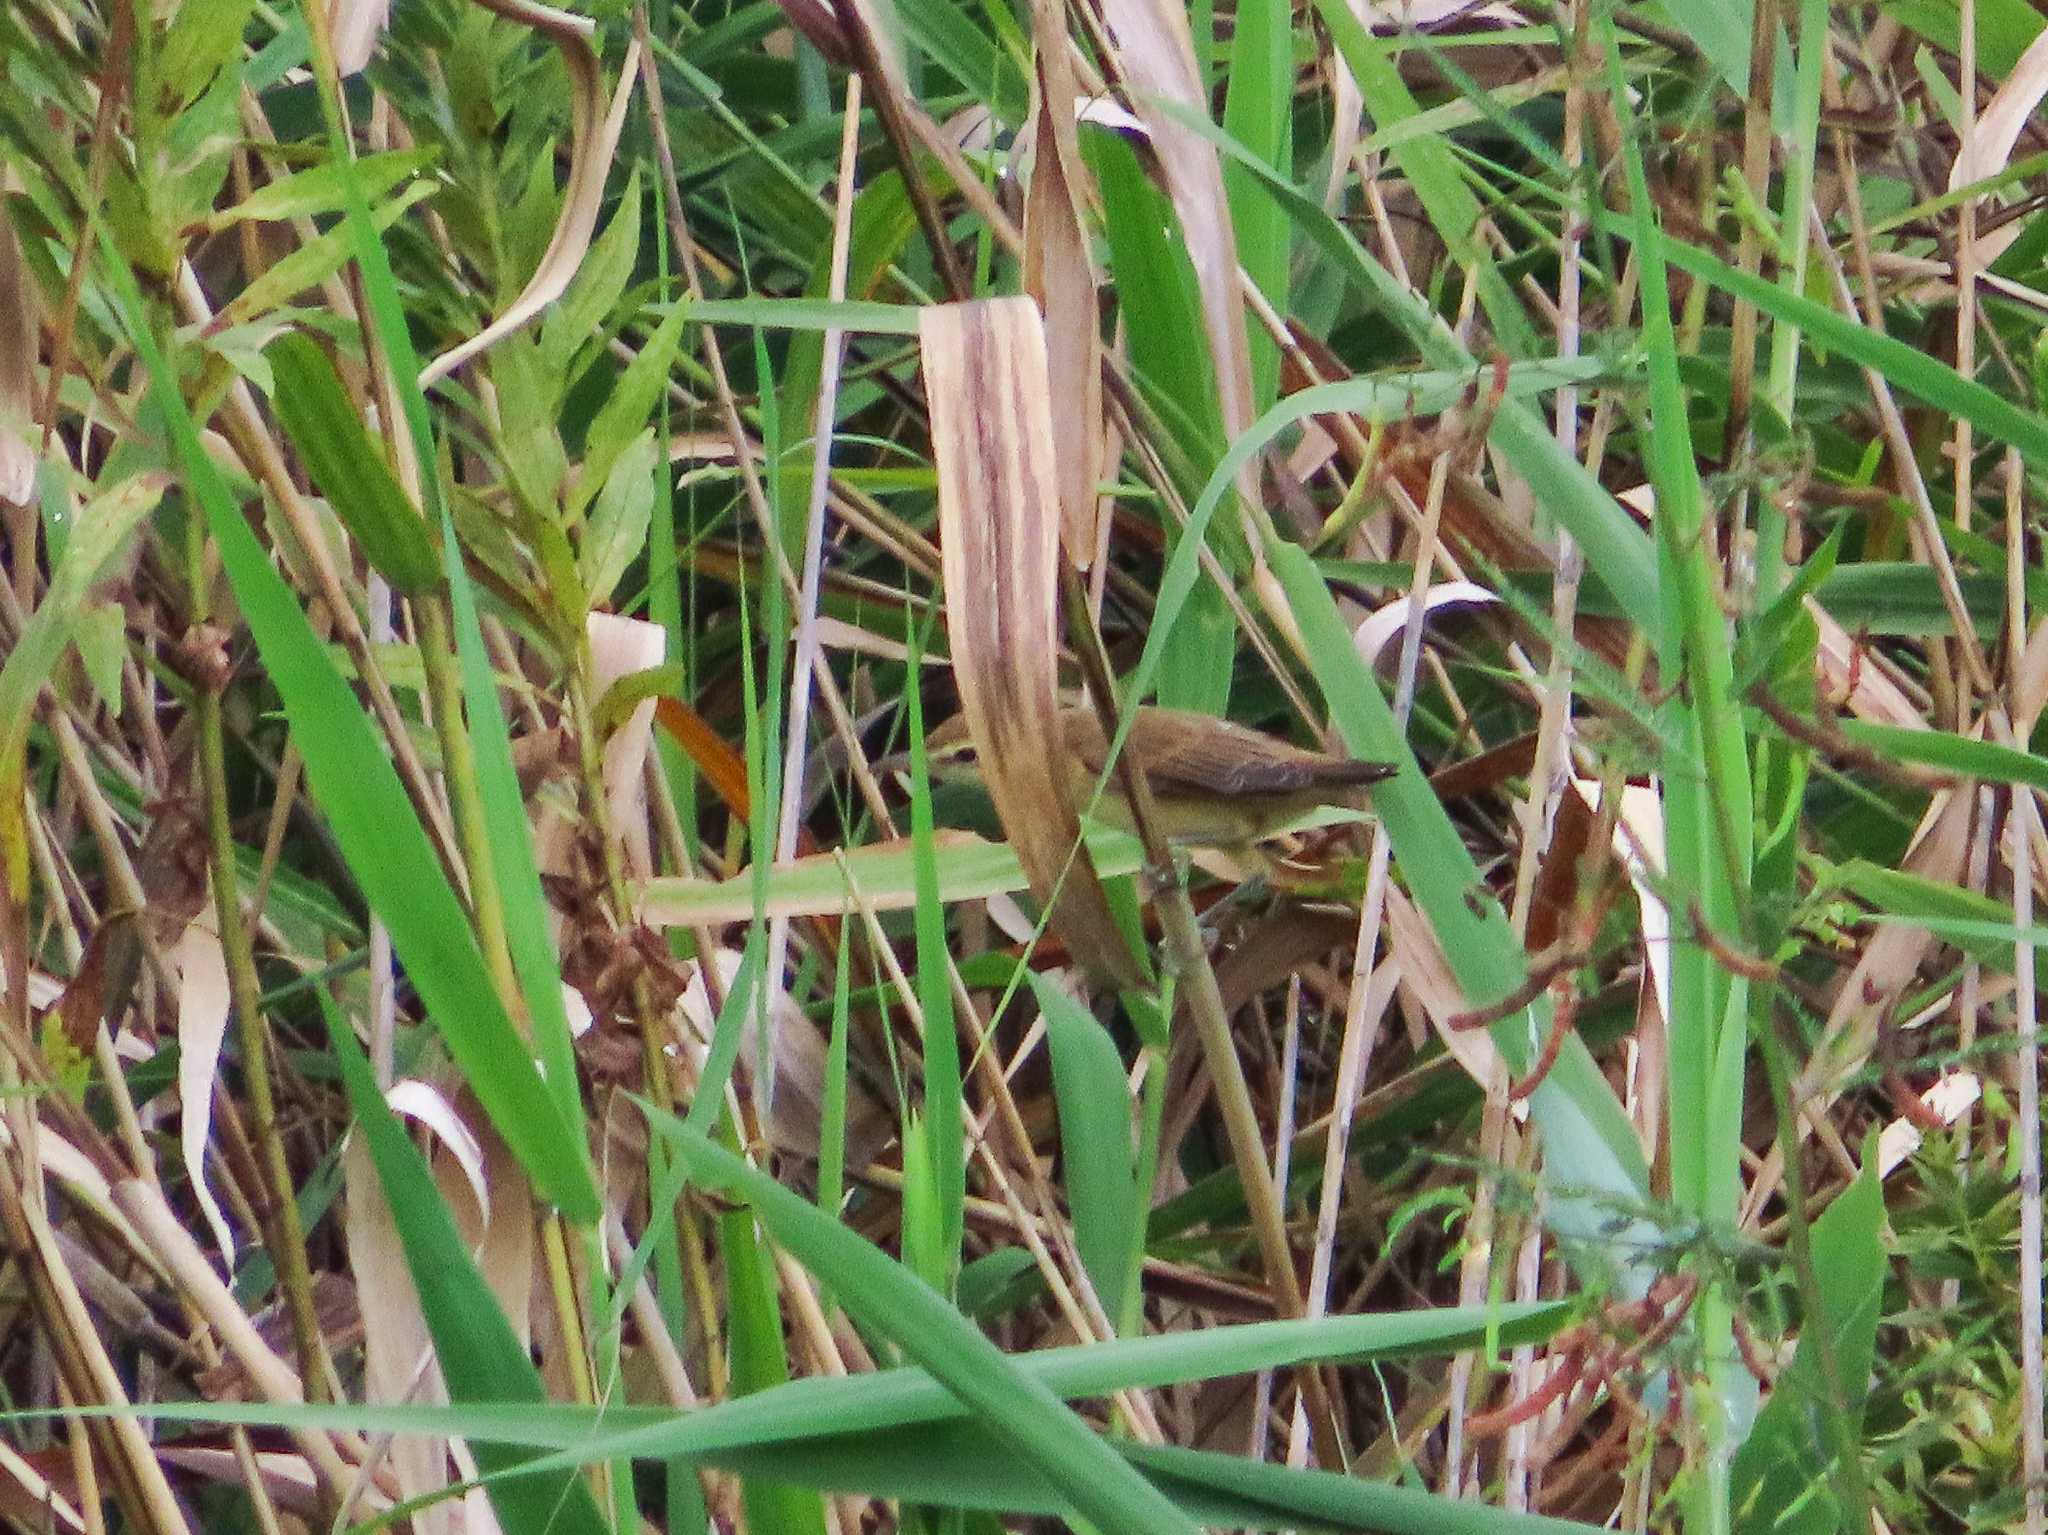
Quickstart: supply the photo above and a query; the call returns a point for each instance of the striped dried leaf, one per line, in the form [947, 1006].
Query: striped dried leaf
[992, 439]
[1059, 272]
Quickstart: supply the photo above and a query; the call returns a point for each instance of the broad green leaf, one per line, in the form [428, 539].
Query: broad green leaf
[205, 37]
[308, 265]
[1097, 1146]
[101, 636]
[626, 412]
[600, 280]
[349, 469]
[320, 188]
[616, 533]
[2004, 28]
[529, 421]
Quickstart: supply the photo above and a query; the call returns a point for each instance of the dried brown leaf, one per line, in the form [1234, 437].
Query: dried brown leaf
[1383, 623]
[1426, 976]
[618, 648]
[202, 1028]
[398, 1358]
[30, 1499]
[2003, 120]
[992, 440]
[1059, 272]
[1852, 672]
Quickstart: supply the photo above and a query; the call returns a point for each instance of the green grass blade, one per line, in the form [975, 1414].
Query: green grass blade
[885, 1298]
[907, 1396]
[347, 466]
[514, 875]
[1924, 377]
[760, 1362]
[1784, 1464]
[943, 1123]
[481, 1358]
[1162, 310]
[1590, 1149]
[1096, 1143]
[1258, 111]
[1708, 820]
[1616, 549]
[386, 848]
[1943, 749]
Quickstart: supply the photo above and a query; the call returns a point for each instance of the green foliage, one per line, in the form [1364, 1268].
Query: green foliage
[1708, 784]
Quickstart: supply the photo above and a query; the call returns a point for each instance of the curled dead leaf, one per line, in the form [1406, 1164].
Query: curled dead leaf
[593, 137]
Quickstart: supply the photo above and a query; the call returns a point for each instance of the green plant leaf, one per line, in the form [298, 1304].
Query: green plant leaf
[1950, 752]
[1085, 1472]
[1096, 1143]
[349, 469]
[1781, 1479]
[101, 533]
[320, 188]
[616, 533]
[481, 1358]
[374, 825]
[626, 411]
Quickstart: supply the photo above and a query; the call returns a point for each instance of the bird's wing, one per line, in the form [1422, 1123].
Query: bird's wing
[1188, 753]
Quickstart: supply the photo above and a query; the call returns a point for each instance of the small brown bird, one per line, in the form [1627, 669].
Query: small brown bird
[1216, 783]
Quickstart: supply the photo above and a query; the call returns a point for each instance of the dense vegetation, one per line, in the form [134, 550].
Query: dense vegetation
[520, 1012]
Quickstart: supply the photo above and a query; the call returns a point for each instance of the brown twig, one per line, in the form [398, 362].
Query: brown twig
[1750, 967]
[1543, 969]
[1561, 1017]
[1824, 737]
